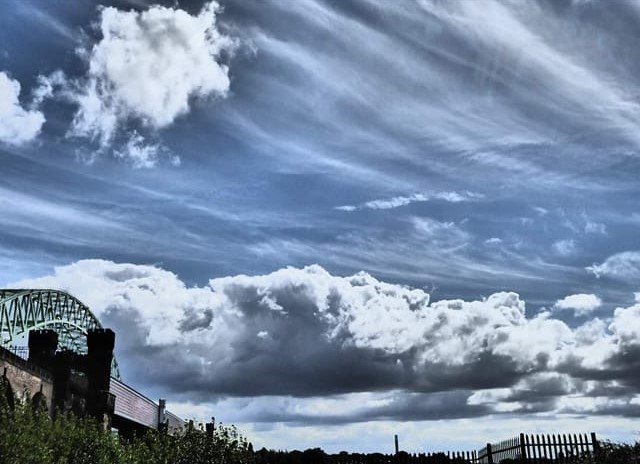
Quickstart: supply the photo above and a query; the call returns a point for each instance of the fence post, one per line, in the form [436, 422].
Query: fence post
[595, 444]
[489, 456]
[523, 449]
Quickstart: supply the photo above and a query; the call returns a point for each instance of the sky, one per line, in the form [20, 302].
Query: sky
[329, 222]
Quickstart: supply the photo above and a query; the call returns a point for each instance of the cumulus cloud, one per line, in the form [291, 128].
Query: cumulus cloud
[147, 68]
[581, 303]
[396, 202]
[305, 332]
[323, 334]
[17, 124]
[621, 266]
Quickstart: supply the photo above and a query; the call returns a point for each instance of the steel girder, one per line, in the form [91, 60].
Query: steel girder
[22, 310]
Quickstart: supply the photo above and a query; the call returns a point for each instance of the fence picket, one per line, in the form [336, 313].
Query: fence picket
[524, 448]
[595, 444]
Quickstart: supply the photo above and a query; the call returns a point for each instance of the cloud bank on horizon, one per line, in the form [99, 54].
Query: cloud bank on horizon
[307, 333]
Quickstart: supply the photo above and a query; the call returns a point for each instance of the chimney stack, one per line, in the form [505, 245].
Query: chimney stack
[396, 440]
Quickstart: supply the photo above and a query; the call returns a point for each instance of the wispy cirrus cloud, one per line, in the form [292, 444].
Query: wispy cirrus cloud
[143, 154]
[622, 266]
[396, 202]
[564, 247]
[570, 77]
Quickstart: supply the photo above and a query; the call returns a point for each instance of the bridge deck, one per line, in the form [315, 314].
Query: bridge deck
[136, 407]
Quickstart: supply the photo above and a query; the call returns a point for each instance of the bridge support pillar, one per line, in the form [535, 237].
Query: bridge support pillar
[42, 347]
[65, 395]
[100, 403]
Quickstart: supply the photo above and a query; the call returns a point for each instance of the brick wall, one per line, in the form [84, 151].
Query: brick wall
[26, 378]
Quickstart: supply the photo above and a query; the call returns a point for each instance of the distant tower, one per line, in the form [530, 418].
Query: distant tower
[395, 437]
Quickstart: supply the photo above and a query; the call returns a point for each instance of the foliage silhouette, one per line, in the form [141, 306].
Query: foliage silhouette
[29, 436]
[610, 453]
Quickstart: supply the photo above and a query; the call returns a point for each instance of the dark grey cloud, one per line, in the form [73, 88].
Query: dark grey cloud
[383, 351]
[400, 406]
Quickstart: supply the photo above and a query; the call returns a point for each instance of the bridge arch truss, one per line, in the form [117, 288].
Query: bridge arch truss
[22, 310]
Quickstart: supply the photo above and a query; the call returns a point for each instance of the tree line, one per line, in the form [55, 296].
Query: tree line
[318, 456]
[609, 453]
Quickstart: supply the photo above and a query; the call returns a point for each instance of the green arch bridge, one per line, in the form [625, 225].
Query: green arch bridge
[25, 310]
[22, 310]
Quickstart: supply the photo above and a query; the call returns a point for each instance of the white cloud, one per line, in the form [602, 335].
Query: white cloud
[142, 154]
[398, 201]
[149, 65]
[564, 247]
[440, 235]
[17, 124]
[592, 227]
[621, 266]
[581, 303]
[348, 208]
[48, 85]
[153, 298]
[395, 202]
[540, 211]
[574, 78]
[626, 324]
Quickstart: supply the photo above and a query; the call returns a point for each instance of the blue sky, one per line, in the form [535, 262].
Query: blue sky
[455, 150]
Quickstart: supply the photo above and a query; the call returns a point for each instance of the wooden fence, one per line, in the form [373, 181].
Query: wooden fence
[523, 449]
[539, 448]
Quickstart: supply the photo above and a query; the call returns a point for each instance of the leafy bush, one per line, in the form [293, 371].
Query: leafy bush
[614, 453]
[29, 436]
